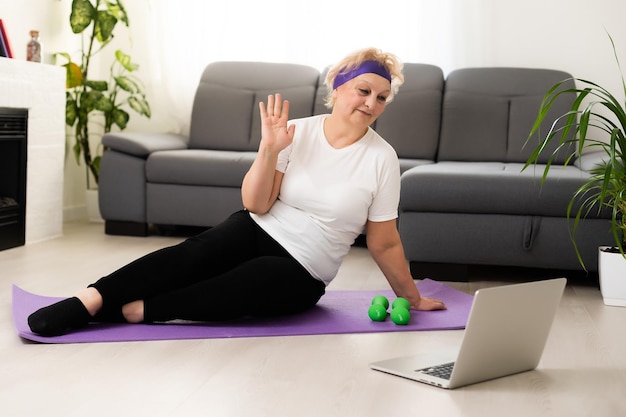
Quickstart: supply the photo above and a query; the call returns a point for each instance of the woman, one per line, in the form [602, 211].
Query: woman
[313, 188]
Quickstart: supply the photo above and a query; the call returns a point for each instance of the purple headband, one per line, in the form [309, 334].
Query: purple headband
[372, 67]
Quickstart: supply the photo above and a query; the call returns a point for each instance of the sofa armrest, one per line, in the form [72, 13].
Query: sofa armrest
[588, 161]
[143, 144]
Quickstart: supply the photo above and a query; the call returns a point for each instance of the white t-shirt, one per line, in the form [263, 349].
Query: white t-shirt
[328, 194]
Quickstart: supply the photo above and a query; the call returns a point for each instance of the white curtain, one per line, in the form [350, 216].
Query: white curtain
[186, 35]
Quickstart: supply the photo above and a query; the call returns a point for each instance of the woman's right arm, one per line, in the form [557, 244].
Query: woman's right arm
[262, 182]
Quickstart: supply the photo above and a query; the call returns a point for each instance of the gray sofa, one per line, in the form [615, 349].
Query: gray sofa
[460, 142]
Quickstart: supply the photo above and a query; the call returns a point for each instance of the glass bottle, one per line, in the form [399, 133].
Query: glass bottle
[34, 49]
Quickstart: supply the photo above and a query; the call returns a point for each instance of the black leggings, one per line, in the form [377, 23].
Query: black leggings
[232, 270]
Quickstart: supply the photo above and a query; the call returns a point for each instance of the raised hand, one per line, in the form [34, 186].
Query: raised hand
[274, 130]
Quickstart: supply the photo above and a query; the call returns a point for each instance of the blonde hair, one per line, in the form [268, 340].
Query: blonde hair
[352, 61]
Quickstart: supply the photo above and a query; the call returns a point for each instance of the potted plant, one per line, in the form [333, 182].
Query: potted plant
[594, 109]
[99, 103]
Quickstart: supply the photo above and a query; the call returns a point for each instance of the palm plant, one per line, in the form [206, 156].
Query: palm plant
[95, 21]
[594, 109]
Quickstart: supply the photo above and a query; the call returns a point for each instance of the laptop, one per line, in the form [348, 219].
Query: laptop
[506, 332]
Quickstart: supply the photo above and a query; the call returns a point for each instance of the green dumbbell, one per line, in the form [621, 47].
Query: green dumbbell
[401, 311]
[378, 310]
[382, 300]
[401, 302]
[400, 316]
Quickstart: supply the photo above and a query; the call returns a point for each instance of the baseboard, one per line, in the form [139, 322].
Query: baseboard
[74, 213]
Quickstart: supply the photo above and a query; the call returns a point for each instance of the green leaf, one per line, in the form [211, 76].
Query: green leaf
[103, 104]
[77, 151]
[82, 15]
[141, 106]
[97, 85]
[71, 111]
[90, 100]
[116, 8]
[105, 23]
[125, 61]
[95, 162]
[127, 84]
[64, 55]
[120, 118]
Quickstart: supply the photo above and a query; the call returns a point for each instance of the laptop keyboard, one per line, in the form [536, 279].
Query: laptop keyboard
[440, 371]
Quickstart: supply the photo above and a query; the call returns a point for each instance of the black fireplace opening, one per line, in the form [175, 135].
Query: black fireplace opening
[13, 147]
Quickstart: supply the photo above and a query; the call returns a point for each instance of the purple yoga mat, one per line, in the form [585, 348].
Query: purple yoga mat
[337, 312]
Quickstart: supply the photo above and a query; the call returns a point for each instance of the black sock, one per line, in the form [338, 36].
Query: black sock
[59, 318]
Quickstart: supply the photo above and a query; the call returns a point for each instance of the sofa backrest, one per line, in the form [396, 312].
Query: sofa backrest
[476, 114]
[488, 113]
[411, 122]
[225, 113]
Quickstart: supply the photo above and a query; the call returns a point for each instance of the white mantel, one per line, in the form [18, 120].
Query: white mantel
[40, 88]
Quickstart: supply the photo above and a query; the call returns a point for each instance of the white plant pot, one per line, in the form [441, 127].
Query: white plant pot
[612, 274]
[93, 208]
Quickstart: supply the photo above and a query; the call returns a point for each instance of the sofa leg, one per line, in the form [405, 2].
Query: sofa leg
[124, 228]
[440, 271]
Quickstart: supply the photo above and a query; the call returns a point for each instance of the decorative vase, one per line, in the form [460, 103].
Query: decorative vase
[93, 208]
[612, 274]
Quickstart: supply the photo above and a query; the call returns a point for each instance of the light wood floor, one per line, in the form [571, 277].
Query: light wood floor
[582, 373]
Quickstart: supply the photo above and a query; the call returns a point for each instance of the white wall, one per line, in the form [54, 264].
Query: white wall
[51, 18]
[561, 34]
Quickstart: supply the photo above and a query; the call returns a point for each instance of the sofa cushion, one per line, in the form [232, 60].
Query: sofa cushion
[489, 188]
[225, 114]
[475, 127]
[406, 164]
[221, 118]
[199, 167]
[411, 122]
[488, 113]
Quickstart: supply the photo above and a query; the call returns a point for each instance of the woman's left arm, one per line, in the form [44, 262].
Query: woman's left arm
[383, 242]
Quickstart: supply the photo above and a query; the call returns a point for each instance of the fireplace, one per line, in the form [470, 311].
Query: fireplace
[13, 146]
